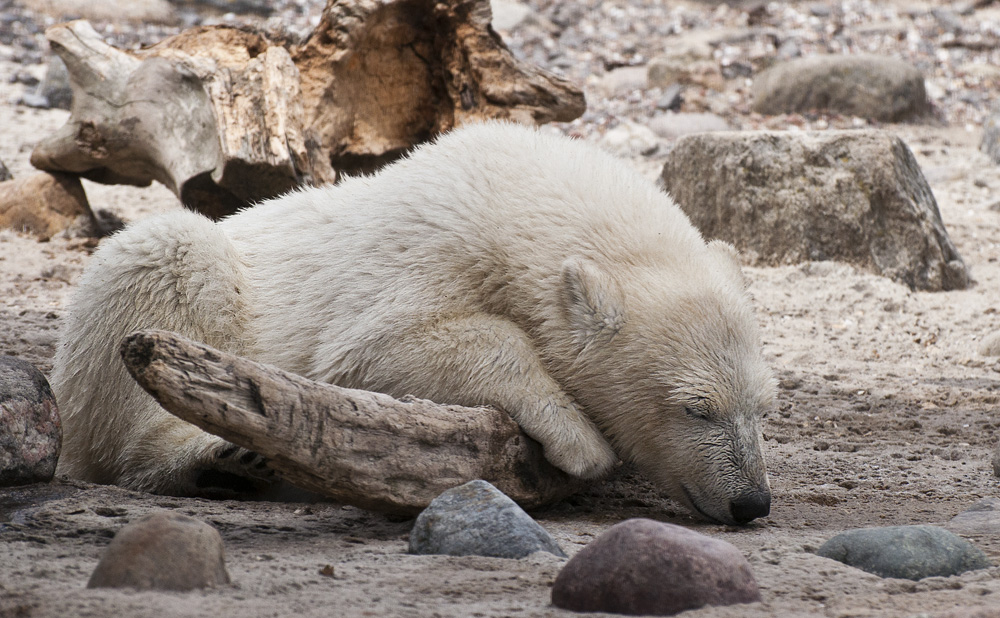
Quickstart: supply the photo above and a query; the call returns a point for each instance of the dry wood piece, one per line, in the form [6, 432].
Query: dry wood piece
[379, 76]
[363, 448]
[225, 117]
[214, 114]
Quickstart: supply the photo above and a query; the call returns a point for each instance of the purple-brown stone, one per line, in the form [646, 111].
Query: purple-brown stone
[30, 430]
[163, 551]
[641, 566]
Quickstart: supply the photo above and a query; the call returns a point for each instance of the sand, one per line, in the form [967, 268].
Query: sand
[887, 415]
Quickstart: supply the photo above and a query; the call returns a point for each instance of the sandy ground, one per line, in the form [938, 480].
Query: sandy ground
[887, 415]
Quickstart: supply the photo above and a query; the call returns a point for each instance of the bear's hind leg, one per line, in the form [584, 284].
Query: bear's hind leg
[485, 359]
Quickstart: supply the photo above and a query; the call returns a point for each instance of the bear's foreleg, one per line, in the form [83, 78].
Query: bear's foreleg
[485, 359]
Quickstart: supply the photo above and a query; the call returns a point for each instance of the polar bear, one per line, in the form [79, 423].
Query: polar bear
[498, 265]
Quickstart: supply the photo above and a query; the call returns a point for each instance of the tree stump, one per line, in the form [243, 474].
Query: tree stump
[225, 118]
[363, 448]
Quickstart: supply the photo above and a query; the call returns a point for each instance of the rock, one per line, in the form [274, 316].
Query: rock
[163, 551]
[5, 174]
[624, 80]
[151, 11]
[982, 517]
[30, 429]
[508, 15]
[783, 198]
[872, 87]
[671, 99]
[991, 137]
[629, 139]
[672, 126]
[641, 566]
[55, 87]
[664, 71]
[262, 8]
[477, 519]
[45, 204]
[905, 552]
[990, 345]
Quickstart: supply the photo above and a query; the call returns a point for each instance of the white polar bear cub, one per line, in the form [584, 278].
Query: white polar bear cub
[497, 265]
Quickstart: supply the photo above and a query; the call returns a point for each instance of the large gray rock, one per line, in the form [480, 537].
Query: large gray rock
[641, 566]
[30, 429]
[784, 198]
[873, 87]
[477, 519]
[905, 552]
[163, 551]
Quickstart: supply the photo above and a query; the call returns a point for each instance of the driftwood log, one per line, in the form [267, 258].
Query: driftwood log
[225, 117]
[363, 448]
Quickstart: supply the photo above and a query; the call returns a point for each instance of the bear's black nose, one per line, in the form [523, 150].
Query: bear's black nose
[749, 507]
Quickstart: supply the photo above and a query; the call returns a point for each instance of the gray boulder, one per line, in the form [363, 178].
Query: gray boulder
[873, 87]
[30, 429]
[477, 519]
[784, 198]
[641, 566]
[905, 552]
[163, 551]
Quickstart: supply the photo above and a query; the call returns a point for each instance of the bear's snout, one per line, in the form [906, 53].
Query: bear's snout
[750, 506]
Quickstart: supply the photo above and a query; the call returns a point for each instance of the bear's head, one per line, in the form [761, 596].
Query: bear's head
[668, 363]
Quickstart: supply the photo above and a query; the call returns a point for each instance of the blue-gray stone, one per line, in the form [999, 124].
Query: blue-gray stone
[905, 552]
[477, 519]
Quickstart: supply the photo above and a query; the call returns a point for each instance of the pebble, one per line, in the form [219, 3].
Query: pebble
[630, 138]
[990, 345]
[30, 429]
[982, 517]
[672, 126]
[477, 519]
[905, 552]
[508, 15]
[624, 80]
[641, 566]
[163, 551]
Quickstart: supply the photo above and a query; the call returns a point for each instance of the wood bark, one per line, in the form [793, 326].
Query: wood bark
[363, 448]
[225, 117]
[213, 113]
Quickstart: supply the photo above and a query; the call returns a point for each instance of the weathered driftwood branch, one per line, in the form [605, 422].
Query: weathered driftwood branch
[225, 117]
[363, 448]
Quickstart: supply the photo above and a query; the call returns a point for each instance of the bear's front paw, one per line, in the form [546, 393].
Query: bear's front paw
[587, 459]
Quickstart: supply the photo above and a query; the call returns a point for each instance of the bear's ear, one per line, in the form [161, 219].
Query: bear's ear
[729, 259]
[592, 302]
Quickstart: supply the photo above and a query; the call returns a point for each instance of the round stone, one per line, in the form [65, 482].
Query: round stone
[641, 566]
[905, 552]
[477, 519]
[163, 551]
[30, 429]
